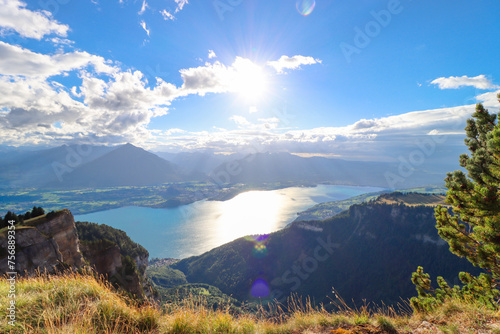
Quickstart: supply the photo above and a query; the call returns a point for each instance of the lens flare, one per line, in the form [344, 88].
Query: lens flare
[259, 249]
[305, 7]
[260, 288]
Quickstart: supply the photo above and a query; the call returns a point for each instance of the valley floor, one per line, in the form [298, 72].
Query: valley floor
[87, 200]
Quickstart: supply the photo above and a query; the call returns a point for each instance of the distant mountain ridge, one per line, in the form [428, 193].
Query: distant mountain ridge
[277, 167]
[28, 168]
[126, 165]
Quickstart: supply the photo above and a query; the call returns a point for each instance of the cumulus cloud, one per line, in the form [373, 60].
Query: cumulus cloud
[211, 78]
[109, 103]
[216, 77]
[127, 91]
[15, 17]
[479, 82]
[241, 76]
[211, 54]
[119, 108]
[291, 63]
[15, 60]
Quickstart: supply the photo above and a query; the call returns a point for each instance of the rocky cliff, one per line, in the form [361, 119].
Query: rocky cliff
[52, 242]
[105, 257]
[44, 243]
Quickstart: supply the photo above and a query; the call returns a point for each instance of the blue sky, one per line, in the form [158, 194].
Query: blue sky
[360, 80]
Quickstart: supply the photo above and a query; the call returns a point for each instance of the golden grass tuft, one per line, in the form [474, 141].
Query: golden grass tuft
[82, 303]
[73, 303]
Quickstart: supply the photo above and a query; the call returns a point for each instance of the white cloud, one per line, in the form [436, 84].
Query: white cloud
[211, 78]
[479, 82]
[383, 139]
[173, 131]
[269, 123]
[143, 7]
[15, 17]
[127, 91]
[292, 63]
[62, 41]
[143, 25]
[263, 124]
[211, 54]
[180, 5]
[167, 15]
[269, 120]
[112, 105]
[239, 120]
[115, 105]
[219, 78]
[15, 61]
[489, 100]
[116, 109]
[109, 103]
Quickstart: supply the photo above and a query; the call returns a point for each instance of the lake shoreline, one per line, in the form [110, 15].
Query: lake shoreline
[195, 228]
[220, 197]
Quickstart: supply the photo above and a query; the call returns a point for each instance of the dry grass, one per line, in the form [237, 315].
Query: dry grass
[80, 303]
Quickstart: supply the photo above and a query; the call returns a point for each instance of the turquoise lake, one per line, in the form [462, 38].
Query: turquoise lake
[198, 227]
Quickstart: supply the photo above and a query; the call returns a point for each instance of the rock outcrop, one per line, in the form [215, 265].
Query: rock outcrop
[104, 256]
[46, 243]
[51, 242]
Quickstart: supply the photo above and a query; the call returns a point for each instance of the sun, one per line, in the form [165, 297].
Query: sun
[250, 80]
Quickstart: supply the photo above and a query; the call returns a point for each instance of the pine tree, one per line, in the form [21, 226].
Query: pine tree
[473, 229]
[11, 216]
[37, 211]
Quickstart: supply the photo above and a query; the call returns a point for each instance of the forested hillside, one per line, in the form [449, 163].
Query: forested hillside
[366, 253]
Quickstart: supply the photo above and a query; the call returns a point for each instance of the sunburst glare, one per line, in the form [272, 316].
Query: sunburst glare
[250, 80]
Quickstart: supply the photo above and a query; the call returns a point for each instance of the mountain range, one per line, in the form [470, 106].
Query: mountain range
[127, 165]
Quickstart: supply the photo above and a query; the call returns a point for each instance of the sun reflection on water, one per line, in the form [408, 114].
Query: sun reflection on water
[253, 212]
